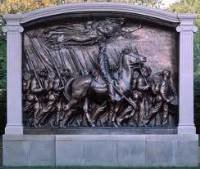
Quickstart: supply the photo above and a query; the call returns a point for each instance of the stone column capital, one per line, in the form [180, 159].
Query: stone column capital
[187, 23]
[186, 28]
[13, 28]
[13, 23]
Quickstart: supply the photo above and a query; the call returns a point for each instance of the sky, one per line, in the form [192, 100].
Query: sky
[166, 3]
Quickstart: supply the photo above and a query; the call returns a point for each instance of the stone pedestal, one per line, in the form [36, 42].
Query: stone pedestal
[101, 150]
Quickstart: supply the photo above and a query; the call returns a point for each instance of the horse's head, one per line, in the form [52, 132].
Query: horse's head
[132, 56]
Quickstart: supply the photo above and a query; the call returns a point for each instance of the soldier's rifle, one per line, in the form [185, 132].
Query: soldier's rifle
[36, 75]
[34, 48]
[33, 68]
[143, 74]
[56, 67]
[53, 61]
[129, 100]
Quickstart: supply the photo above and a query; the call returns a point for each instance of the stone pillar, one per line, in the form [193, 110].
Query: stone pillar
[14, 74]
[186, 95]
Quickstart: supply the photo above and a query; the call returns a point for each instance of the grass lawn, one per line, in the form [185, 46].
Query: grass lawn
[78, 167]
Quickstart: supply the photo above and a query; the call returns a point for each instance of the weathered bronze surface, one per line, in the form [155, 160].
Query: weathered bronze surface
[100, 72]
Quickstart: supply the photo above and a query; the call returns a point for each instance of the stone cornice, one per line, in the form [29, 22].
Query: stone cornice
[185, 21]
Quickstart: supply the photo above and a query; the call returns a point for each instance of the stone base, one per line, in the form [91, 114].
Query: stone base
[100, 150]
[13, 129]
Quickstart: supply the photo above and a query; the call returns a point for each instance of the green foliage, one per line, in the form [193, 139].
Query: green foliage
[2, 81]
[197, 80]
[2, 62]
[150, 3]
[185, 6]
[197, 103]
[20, 6]
[2, 110]
[197, 54]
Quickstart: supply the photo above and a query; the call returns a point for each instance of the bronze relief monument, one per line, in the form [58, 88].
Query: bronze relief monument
[100, 84]
[100, 72]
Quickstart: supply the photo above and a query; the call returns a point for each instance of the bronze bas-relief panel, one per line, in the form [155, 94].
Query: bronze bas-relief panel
[100, 72]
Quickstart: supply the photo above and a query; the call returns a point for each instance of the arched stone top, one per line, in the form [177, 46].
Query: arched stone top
[99, 7]
[94, 7]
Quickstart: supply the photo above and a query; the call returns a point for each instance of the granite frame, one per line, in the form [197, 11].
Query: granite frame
[17, 146]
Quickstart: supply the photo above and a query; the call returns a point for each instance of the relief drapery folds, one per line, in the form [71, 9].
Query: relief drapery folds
[104, 72]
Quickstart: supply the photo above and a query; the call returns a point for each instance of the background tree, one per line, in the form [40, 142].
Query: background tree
[2, 59]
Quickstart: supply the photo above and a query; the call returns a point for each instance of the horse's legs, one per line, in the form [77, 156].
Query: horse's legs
[70, 104]
[66, 119]
[67, 113]
[85, 108]
[125, 115]
[98, 111]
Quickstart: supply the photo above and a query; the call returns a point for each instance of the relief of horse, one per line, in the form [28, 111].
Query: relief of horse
[80, 88]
